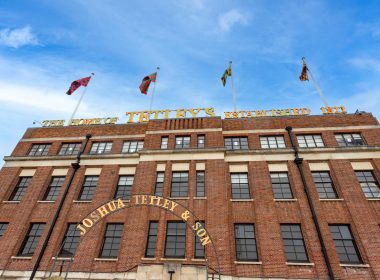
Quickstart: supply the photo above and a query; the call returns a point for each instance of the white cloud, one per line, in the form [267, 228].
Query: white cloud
[368, 101]
[366, 63]
[230, 18]
[17, 37]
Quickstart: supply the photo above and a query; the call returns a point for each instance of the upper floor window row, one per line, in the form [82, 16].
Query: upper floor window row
[39, 150]
[132, 146]
[349, 139]
[310, 141]
[236, 143]
[272, 142]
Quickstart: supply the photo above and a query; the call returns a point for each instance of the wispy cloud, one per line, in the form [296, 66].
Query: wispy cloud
[17, 38]
[366, 63]
[229, 19]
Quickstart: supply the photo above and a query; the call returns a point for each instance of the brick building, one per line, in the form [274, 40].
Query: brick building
[281, 198]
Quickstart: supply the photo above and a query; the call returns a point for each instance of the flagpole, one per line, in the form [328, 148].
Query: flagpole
[154, 88]
[79, 102]
[319, 90]
[233, 87]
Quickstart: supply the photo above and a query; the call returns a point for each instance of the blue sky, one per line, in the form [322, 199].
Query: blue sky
[45, 45]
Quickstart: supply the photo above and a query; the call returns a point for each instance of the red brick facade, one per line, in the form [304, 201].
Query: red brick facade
[218, 210]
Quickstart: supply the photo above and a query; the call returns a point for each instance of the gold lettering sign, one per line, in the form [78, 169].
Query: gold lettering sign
[333, 110]
[267, 113]
[149, 200]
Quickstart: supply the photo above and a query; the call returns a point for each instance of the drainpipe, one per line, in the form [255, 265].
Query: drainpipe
[75, 167]
[298, 161]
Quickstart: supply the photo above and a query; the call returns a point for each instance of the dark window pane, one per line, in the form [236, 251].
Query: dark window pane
[240, 187]
[345, 244]
[20, 189]
[245, 242]
[124, 187]
[280, 185]
[3, 228]
[39, 149]
[88, 188]
[272, 142]
[132, 146]
[175, 240]
[164, 142]
[201, 141]
[111, 241]
[310, 141]
[152, 238]
[70, 241]
[70, 149]
[101, 148]
[54, 188]
[182, 142]
[31, 239]
[200, 184]
[324, 185]
[369, 184]
[199, 250]
[294, 245]
[349, 139]
[180, 184]
[236, 143]
[159, 188]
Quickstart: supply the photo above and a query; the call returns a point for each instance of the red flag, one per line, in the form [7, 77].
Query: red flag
[146, 82]
[304, 76]
[76, 84]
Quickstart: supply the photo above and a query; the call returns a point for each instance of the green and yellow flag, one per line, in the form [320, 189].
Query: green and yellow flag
[227, 72]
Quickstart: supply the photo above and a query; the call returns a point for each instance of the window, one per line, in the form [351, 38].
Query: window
[200, 183]
[54, 188]
[369, 184]
[69, 149]
[31, 240]
[199, 250]
[111, 241]
[88, 187]
[182, 142]
[324, 184]
[152, 238]
[272, 142]
[124, 187]
[201, 141]
[240, 187]
[175, 240]
[236, 143]
[345, 244]
[349, 139]
[3, 228]
[20, 189]
[39, 149]
[180, 183]
[280, 185]
[310, 141]
[159, 188]
[70, 241]
[101, 148]
[295, 249]
[164, 142]
[132, 146]
[245, 242]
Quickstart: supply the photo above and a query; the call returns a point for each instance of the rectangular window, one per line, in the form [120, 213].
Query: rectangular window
[39, 150]
[280, 185]
[240, 187]
[199, 250]
[70, 149]
[159, 188]
[324, 184]
[70, 241]
[164, 142]
[54, 188]
[294, 244]
[132, 146]
[124, 187]
[182, 142]
[101, 148]
[272, 142]
[245, 242]
[201, 141]
[152, 238]
[310, 141]
[236, 143]
[3, 228]
[20, 189]
[180, 184]
[111, 241]
[200, 183]
[349, 139]
[31, 240]
[345, 244]
[369, 184]
[88, 188]
[175, 240]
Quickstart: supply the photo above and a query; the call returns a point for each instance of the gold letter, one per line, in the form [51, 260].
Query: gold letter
[174, 205]
[166, 204]
[210, 112]
[181, 113]
[87, 223]
[111, 206]
[144, 199]
[102, 211]
[94, 216]
[153, 198]
[227, 115]
[194, 112]
[120, 204]
[201, 232]
[205, 240]
[196, 226]
[131, 115]
[144, 116]
[82, 230]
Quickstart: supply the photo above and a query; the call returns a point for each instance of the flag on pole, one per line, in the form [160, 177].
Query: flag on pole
[304, 76]
[76, 84]
[146, 82]
[227, 72]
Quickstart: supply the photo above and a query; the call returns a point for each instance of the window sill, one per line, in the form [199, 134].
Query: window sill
[300, 263]
[331, 199]
[20, 258]
[179, 198]
[11, 202]
[106, 259]
[173, 259]
[45, 201]
[241, 200]
[284, 199]
[82, 201]
[373, 198]
[198, 260]
[354, 265]
[247, 262]
[148, 259]
[62, 258]
[200, 197]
